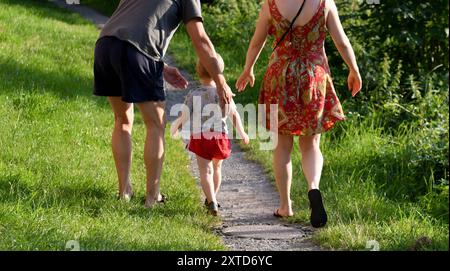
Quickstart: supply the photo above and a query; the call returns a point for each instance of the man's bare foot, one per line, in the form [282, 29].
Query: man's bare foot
[149, 202]
[127, 194]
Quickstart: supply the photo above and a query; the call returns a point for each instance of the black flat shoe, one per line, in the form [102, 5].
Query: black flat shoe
[319, 216]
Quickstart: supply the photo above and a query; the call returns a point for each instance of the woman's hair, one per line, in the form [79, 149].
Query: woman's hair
[203, 73]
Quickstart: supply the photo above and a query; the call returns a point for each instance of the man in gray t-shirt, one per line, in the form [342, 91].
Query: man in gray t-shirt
[149, 25]
[129, 68]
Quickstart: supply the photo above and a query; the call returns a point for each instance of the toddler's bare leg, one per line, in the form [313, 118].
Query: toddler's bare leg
[206, 170]
[217, 165]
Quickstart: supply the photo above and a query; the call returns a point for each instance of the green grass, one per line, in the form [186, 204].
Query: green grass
[57, 176]
[361, 168]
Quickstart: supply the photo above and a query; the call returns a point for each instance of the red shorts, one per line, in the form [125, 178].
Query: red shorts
[214, 146]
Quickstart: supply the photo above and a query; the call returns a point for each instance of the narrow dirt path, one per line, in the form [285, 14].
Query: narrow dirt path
[248, 200]
[247, 196]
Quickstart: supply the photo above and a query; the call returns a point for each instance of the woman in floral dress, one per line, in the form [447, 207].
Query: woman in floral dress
[298, 80]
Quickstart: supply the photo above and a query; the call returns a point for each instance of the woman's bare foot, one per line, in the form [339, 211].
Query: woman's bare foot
[285, 211]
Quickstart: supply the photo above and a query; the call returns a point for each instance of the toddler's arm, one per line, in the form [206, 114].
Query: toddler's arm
[177, 124]
[237, 123]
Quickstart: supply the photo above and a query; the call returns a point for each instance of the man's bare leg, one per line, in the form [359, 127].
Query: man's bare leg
[121, 144]
[153, 114]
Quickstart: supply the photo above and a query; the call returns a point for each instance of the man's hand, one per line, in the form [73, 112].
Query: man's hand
[224, 92]
[173, 76]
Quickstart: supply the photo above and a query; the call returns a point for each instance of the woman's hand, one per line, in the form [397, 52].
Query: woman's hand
[354, 82]
[247, 77]
[173, 76]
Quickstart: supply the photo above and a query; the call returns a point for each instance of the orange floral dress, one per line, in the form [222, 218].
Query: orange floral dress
[298, 78]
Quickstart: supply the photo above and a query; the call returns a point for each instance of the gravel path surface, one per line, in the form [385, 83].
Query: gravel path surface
[247, 196]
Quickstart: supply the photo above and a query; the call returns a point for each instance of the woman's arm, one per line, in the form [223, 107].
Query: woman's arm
[344, 47]
[256, 45]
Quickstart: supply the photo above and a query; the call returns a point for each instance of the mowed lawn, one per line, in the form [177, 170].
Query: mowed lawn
[57, 176]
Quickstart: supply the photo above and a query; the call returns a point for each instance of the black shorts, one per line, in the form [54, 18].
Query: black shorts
[121, 70]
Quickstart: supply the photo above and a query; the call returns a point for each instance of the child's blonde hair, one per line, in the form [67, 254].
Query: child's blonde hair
[203, 73]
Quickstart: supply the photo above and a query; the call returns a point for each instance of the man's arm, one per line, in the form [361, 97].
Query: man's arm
[207, 55]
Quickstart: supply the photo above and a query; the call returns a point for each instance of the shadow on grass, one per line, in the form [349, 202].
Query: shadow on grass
[17, 77]
[90, 198]
[104, 242]
[14, 188]
[168, 210]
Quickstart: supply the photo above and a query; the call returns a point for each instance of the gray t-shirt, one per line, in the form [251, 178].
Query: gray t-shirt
[150, 24]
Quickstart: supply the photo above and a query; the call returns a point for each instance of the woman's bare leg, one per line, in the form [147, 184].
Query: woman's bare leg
[312, 160]
[312, 164]
[153, 114]
[121, 143]
[282, 167]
